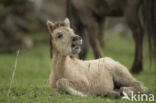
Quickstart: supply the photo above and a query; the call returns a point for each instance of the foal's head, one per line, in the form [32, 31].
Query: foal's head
[63, 38]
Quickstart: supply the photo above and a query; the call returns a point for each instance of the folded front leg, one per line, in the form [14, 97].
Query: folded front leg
[65, 85]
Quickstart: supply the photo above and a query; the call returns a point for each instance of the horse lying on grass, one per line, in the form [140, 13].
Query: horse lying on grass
[85, 78]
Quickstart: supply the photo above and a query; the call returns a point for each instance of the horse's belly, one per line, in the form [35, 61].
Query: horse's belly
[101, 84]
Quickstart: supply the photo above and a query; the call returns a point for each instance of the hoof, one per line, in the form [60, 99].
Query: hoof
[117, 95]
[114, 94]
[137, 68]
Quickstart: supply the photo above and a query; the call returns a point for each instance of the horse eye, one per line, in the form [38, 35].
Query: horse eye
[59, 36]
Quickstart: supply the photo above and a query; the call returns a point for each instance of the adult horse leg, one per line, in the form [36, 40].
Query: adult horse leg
[92, 33]
[131, 14]
[78, 27]
[91, 26]
[100, 35]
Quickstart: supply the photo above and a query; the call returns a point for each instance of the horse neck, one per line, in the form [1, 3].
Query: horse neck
[58, 63]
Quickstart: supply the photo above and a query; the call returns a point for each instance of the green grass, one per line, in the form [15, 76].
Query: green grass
[33, 69]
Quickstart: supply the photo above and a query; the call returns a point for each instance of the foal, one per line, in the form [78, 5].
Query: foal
[85, 78]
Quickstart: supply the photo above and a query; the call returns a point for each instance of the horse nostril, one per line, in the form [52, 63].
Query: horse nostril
[73, 45]
[74, 38]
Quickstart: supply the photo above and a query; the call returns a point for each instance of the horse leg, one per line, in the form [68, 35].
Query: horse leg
[90, 24]
[133, 21]
[78, 27]
[65, 85]
[91, 27]
[124, 80]
[98, 52]
[100, 35]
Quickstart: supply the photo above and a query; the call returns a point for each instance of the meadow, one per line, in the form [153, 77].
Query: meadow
[33, 68]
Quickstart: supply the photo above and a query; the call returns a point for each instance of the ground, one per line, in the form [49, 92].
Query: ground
[31, 79]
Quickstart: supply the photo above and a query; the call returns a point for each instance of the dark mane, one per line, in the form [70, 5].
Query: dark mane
[51, 46]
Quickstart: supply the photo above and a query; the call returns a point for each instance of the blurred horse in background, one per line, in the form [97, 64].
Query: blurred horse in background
[88, 17]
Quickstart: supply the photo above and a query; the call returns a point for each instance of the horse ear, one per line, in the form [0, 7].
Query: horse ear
[50, 26]
[67, 22]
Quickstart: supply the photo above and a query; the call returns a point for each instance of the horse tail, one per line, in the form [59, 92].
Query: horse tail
[149, 14]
